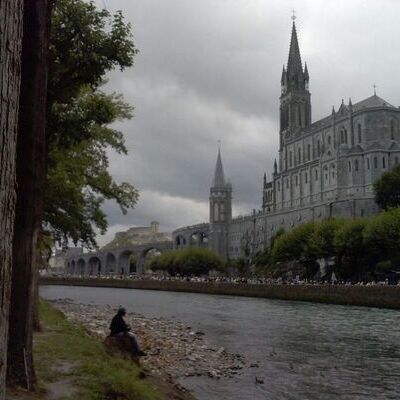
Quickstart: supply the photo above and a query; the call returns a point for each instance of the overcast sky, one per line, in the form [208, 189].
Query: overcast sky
[210, 70]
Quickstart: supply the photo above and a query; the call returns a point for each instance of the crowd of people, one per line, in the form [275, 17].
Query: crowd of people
[254, 280]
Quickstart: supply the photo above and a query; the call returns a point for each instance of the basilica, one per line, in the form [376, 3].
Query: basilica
[324, 169]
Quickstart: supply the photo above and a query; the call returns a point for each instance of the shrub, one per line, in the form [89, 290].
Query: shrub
[189, 261]
[349, 249]
[387, 189]
[294, 245]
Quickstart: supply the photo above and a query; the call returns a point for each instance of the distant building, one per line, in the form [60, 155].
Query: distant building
[325, 168]
[126, 253]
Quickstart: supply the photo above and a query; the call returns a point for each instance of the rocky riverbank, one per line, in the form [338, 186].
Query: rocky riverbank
[171, 347]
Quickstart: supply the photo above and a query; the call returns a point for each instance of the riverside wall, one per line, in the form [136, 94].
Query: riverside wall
[369, 296]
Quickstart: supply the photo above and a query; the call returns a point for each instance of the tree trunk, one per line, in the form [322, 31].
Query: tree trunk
[10, 59]
[31, 156]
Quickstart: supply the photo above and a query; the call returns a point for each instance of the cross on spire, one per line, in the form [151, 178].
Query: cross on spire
[374, 89]
[293, 15]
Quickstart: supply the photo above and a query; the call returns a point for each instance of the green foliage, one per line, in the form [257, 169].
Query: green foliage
[382, 236]
[294, 245]
[387, 189]
[85, 44]
[360, 247]
[275, 236]
[349, 248]
[92, 370]
[188, 261]
[322, 240]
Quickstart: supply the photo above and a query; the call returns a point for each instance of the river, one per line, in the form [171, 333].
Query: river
[305, 351]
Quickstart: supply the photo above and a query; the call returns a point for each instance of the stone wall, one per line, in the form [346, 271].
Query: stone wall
[370, 296]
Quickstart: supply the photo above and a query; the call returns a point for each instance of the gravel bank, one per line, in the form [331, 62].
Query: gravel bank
[172, 347]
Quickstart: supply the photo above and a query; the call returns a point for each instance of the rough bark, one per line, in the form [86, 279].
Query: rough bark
[10, 58]
[31, 156]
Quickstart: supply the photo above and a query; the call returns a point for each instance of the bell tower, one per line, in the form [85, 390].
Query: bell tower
[220, 210]
[295, 100]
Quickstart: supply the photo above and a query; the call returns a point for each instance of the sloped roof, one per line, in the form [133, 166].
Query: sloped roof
[370, 102]
[294, 65]
[219, 178]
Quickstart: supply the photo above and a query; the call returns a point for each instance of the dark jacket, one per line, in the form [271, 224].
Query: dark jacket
[118, 325]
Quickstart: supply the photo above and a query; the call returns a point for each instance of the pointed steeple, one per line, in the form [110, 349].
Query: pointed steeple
[294, 66]
[333, 110]
[275, 167]
[265, 180]
[306, 76]
[219, 179]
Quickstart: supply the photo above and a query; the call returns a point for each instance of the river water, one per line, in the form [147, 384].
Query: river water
[305, 351]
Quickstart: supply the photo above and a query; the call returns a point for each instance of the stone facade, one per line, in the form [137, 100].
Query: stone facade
[325, 169]
[116, 256]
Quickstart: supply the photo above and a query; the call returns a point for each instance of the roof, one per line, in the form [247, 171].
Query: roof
[370, 102]
[219, 179]
[294, 65]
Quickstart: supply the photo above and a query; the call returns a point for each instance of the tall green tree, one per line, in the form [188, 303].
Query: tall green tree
[31, 174]
[11, 21]
[351, 253]
[85, 44]
[387, 189]
[294, 244]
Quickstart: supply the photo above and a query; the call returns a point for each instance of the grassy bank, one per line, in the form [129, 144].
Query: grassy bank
[72, 365]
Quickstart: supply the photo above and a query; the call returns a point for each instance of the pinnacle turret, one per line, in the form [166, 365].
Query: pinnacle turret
[283, 78]
[306, 76]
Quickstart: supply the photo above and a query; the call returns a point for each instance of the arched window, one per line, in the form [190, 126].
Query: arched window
[216, 216]
[375, 162]
[345, 136]
[279, 186]
[356, 165]
[297, 180]
[222, 212]
[383, 162]
[290, 159]
[299, 155]
[349, 166]
[368, 166]
[329, 140]
[308, 152]
[319, 147]
[306, 177]
[300, 124]
[316, 174]
[359, 133]
[392, 129]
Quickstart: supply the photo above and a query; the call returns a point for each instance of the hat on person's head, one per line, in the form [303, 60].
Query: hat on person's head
[121, 311]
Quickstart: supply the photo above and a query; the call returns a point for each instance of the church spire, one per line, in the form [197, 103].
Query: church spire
[294, 66]
[219, 179]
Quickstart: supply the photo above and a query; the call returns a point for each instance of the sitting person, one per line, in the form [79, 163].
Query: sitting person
[120, 328]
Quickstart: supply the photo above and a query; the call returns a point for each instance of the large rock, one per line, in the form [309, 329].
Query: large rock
[121, 345]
